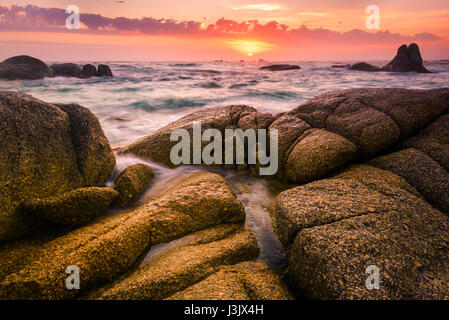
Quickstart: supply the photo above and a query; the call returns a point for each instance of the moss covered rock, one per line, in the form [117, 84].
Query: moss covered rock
[183, 264]
[333, 229]
[46, 150]
[74, 207]
[244, 281]
[132, 182]
[316, 153]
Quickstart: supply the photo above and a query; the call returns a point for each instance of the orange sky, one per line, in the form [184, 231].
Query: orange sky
[302, 30]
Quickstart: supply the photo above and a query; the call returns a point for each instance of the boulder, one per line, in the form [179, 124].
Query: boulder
[363, 66]
[422, 172]
[74, 207]
[433, 140]
[24, 67]
[89, 70]
[132, 182]
[316, 153]
[104, 71]
[105, 248]
[157, 146]
[47, 150]
[407, 59]
[334, 229]
[66, 69]
[244, 281]
[280, 67]
[183, 264]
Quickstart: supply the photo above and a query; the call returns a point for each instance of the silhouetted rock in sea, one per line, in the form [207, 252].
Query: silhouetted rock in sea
[24, 67]
[407, 59]
[280, 67]
[66, 69]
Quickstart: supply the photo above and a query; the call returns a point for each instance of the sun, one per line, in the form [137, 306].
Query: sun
[250, 54]
[249, 47]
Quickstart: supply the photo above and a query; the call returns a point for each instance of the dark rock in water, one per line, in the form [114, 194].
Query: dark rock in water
[280, 67]
[66, 69]
[89, 70]
[24, 67]
[46, 150]
[104, 71]
[340, 66]
[363, 66]
[74, 207]
[132, 182]
[407, 59]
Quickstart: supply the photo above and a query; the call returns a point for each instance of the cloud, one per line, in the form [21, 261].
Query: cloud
[260, 7]
[33, 18]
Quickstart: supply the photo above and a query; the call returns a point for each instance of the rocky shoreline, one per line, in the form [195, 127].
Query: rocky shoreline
[368, 185]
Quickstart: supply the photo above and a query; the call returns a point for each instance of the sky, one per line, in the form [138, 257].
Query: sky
[144, 30]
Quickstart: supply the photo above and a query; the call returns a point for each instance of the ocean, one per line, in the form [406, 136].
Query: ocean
[144, 96]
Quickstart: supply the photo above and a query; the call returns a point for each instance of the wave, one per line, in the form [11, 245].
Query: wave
[184, 65]
[166, 103]
[210, 85]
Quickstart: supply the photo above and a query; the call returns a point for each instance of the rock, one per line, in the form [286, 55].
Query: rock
[373, 119]
[316, 153]
[434, 141]
[422, 172]
[243, 281]
[363, 66]
[132, 182]
[157, 146]
[108, 246]
[280, 67]
[89, 70]
[24, 67]
[66, 69]
[182, 265]
[74, 207]
[340, 66]
[104, 71]
[333, 229]
[407, 59]
[47, 150]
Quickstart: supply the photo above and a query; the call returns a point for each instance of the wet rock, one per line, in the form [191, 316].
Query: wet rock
[108, 246]
[316, 153]
[333, 229]
[157, 146]
[243, 281]
[104, 71]
[74, 207]
[66, 69]
[89, 70]
[407, 59]
[47, 150]
[422, 172]
[24, 67]
[280, 67]
[363, 66]
[132, 182]
[181, 266]
[434, 141]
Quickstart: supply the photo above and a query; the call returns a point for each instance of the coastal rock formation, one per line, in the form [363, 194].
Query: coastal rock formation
[24, 67]
[280, 67]
[334, 229]
[74, 207]
[407, 59]
[110, 245]
[132, 182]
[47, 150]
[66, 69]
[243, 281]
[104, 71]
[157, 146]
[371, 119]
